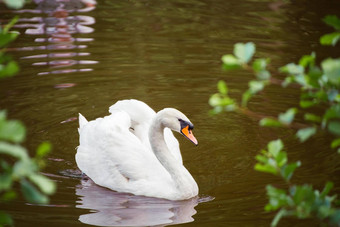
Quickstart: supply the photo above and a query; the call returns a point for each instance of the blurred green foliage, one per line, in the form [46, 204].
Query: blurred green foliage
[320, 88]
[8, 67]
[15, 4]
[331, 38]
[15, 164]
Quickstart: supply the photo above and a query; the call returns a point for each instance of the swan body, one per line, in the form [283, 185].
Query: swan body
[133, 150]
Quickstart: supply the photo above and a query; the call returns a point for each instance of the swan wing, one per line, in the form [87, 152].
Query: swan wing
[141, 116]
[138, 111]
[115, 158]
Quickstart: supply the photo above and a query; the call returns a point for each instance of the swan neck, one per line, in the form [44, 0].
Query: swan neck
[186, 186]
[161, 150]
[158, 144]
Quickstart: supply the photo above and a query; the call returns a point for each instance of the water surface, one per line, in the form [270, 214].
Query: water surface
[84, 56]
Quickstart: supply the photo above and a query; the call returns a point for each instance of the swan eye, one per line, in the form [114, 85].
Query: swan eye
[185, 124]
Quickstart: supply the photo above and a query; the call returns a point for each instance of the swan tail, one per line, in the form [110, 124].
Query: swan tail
[82, 122]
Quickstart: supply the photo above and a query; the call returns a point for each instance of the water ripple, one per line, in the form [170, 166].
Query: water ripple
[62, 48]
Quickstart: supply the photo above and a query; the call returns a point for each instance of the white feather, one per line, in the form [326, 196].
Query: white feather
[141, 116]
[116, 157]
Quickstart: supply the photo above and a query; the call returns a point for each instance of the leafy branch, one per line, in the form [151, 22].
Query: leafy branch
[331, 38]
[301, 201]
[16, 166]
[319, 87]
[319, 90]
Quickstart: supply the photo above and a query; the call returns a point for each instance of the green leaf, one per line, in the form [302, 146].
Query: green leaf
[333, 21]
[302, 80]
[220, 100]
[277, 198]
[16, 151]
[321, 96]
[335, 217]
[6, 181]
[230, 62]
[269, 122]
[216, 110]
[307, 103]
[305, 133]
[324, 211]
[312, 118]
[281, 159]
[329, 185]
[31, 194]
[246, 97]
[15, 4]
[265, 168]
[256, 86]
[8, 196]
[288, 170]
[334, 127]
[274, 147]
[222, 87]
[46, 185]
[5, 219]
[3, 115]
[261, 158]
[230, 107]
[6, 38]
[244, 52]
[330, 39]
[292, 69]
[12, 130]
[288, 116]
[263, 75]
[24, 168]
[43, 149]
[307, 60]
[260, 64]
[332, 94]
[335, 143]
[9, 70]
[332, 113]
[331, 68]
[288, 80]
[215, 100]
[303, 194]
[337, 98]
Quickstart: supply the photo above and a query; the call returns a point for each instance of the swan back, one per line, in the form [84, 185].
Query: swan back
[138, 111]
[141, 116]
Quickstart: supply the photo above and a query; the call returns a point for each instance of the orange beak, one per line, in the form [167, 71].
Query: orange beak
[188, 134]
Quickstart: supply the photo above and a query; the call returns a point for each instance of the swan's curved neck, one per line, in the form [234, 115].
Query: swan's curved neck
[181, 177]
[159, 147]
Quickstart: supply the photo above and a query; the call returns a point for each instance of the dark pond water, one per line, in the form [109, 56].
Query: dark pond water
[83, 56]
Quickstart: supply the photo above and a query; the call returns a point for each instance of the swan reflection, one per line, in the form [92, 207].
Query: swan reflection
[109, 208]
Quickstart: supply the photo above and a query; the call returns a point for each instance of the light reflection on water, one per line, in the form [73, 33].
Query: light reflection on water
[59, 25]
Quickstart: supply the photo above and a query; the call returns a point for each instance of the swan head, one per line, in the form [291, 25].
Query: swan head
[177, 121]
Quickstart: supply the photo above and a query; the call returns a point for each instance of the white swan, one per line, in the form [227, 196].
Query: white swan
[130, 151]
